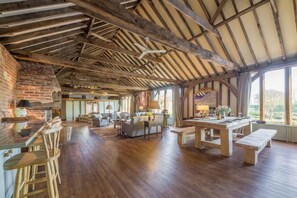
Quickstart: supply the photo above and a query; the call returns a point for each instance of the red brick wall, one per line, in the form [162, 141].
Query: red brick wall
[36, 82]
[9, 69]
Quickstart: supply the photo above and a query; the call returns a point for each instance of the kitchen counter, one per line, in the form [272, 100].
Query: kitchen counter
[18, 135]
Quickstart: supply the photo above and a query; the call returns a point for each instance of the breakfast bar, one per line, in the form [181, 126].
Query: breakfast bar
[13, 137]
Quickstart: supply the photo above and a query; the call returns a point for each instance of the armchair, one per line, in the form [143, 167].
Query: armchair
[100, 121]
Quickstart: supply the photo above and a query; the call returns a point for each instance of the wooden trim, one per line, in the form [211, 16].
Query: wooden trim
[187, 92]
[288, 96]
[230, 87]
[262, 97]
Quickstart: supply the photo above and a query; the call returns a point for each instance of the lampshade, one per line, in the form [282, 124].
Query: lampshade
[202, 107]
[140, 107]
[108, 107]
[24, 103]
[153, 105]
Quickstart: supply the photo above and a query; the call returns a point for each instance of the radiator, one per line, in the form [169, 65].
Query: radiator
[284, 132]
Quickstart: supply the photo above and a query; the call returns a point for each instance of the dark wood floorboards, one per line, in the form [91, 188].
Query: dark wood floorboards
[134, 167]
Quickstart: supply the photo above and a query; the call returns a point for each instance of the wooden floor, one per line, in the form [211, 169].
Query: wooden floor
[134, 167]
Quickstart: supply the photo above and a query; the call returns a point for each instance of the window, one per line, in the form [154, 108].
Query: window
[169, 104]
[95, 107]
[275, 97]
[125, 107]
[164, 97]
[294, 95]
[89, 107]
[254, 106]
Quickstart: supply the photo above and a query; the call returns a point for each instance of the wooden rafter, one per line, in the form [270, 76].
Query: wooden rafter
[24, 29]
[43, 33]
[110, 61]
[239, 14]
[218, 11]
[261, 33]
[43, 41]
[114, 14]
[87, 34]
[278, 29]
[107, 46]
[179, 5]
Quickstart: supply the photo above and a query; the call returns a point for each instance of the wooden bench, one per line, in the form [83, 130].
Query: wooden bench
[254, 143]
[182, 133]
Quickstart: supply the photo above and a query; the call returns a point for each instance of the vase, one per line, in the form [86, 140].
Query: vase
[149, 118]
[223, 115]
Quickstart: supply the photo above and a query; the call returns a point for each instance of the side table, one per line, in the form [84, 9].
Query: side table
[149, 124]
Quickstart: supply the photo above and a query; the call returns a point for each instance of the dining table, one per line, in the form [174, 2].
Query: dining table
[224, 126]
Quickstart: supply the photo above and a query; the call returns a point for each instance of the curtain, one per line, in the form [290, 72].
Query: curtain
[244, 92]
[177, 107]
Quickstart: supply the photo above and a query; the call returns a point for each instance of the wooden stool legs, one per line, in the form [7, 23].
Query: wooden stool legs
[56, 165]
[23, 181]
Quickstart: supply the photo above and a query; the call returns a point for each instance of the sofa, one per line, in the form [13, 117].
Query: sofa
[135, 127]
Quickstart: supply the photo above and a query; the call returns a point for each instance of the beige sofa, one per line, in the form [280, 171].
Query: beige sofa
[136, 126]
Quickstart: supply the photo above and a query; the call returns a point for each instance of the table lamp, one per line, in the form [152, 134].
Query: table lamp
[22, 105]
[153, 105]
[203, 109]
[140, 108]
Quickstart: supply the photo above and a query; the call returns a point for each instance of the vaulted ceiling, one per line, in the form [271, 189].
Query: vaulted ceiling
[91, 43]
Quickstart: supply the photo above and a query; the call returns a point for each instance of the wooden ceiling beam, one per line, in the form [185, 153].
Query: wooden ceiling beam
[183, 8]
[213, 78]
[110, 61]
[107, 46]
[25, 19]
[83, 90]
[27, 7]
[93, 68]
[76, 81]
[112, 12]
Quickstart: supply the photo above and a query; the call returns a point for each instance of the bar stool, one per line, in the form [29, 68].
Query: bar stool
[24, 161]
[37, 144]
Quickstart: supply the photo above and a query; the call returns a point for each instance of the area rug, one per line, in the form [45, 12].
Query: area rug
[108, 132]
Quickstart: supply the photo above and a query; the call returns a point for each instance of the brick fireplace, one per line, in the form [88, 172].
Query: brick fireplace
[38, 83]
